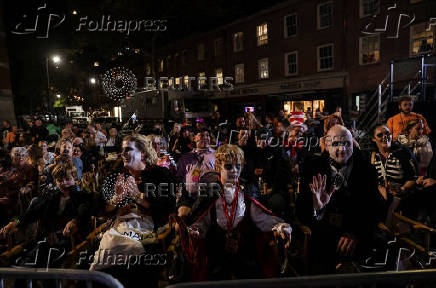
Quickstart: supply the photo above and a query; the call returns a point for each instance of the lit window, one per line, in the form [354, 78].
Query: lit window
[147, 69]
[369, 49]
[369, 7]
[422, 41]
[290, 25]
[325, 15]
[219, 75]
[201, 52]
[262, 34]
[238, 42]
[218, 46]
[325, 57]
[291, 63]
[202, 81]
[161, 65]
[263, 68]
[239, 73]
[185, 80]
[177, 80]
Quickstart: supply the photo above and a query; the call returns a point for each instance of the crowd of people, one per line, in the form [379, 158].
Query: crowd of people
[216, 200]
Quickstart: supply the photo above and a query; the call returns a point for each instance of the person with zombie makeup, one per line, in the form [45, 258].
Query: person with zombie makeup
[398, 123]
[141, 196]
[62, 211]
[234, 228]
[396, 171]
[337, 189]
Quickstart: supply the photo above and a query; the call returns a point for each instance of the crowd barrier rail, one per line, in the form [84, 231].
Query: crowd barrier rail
[31, 275]
[377, 279]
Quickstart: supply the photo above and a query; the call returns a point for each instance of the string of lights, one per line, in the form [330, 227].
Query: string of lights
[119, 83]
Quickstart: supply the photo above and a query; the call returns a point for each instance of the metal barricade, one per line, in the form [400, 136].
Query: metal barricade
[30, 275]
[342, 280]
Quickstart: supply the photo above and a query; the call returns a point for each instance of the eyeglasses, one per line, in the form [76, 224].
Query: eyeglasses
[381, 134]
[230, 166]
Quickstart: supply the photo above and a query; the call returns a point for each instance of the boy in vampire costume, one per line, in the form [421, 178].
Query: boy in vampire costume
[233, 231]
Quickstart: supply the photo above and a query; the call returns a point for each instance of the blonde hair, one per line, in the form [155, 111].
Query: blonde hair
[228, 153]
[145, 146]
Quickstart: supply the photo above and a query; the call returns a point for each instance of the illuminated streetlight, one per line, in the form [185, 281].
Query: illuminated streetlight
[58, 95]
[56, 59]
[96, 64]
[74, 12]
[92, 80]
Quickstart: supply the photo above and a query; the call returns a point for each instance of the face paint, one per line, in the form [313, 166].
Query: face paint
[382, 138]
[131, 155]
[340, 146]
[230, 172]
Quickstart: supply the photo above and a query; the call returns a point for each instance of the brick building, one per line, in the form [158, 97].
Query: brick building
[311, 53]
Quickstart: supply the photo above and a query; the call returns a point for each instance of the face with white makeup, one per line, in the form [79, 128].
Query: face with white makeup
[229, 161]
[132, 156]
[137, 152]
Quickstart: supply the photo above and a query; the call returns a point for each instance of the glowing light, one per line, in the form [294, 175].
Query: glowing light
[119, 83]
[56, 59]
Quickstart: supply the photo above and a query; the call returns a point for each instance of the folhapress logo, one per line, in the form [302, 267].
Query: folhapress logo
[40, 25]
[45, 20]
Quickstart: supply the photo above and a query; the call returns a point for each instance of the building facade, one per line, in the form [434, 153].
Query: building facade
[315, 54]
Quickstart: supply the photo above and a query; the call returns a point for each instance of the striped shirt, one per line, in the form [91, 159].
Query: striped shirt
[391, 167]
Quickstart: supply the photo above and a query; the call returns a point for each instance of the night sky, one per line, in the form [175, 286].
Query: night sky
[27, 52]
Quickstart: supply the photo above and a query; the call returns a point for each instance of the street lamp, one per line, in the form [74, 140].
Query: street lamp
[56, 59]
[58, 96]
[92, 80]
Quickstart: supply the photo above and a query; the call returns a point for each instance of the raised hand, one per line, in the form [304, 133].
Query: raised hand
[131, 188]
[346, 245]
[284, 230]
[320, 196]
